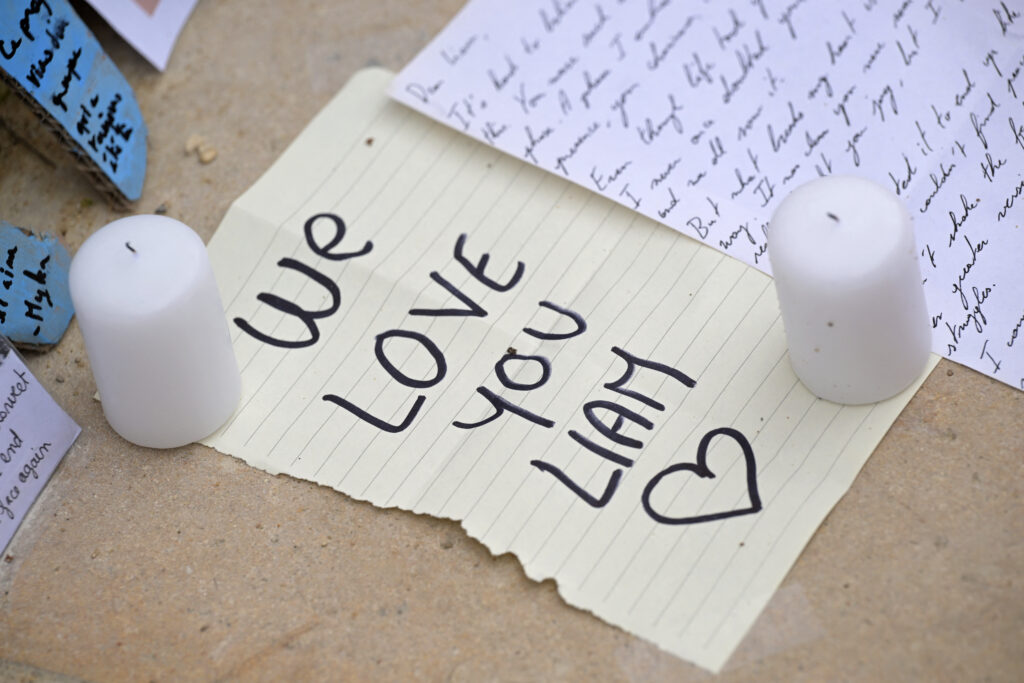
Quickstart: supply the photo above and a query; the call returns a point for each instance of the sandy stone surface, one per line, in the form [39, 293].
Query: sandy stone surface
[189, 565]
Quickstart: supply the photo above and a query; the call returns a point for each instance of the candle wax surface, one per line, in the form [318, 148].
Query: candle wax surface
[867, 231]
[846, 273]
[144, 274]
[155, 331]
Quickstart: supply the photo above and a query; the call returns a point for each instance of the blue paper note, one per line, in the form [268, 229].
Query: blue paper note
[35, 302]
[50, 57]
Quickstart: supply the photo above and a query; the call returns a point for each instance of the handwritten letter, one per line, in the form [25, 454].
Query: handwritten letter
[427, 323]
[34, 435]
[704, 115]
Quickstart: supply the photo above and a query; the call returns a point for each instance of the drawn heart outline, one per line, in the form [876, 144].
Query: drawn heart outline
[701, 469]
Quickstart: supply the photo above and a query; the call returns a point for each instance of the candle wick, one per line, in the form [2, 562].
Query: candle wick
[833, 216]
[130, 247]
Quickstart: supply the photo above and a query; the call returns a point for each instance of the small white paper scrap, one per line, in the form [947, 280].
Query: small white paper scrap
[150, 26]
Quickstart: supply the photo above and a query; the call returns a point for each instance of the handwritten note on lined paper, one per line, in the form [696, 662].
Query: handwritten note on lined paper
[425, 322]
[704, 115]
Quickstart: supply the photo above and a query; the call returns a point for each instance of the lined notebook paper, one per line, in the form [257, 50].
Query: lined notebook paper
[426, 323]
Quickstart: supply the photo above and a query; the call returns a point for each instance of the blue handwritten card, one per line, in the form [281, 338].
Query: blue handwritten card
[35, 302]
[53, 61]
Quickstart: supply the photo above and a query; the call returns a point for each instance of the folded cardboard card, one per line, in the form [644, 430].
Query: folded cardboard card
[50, 58]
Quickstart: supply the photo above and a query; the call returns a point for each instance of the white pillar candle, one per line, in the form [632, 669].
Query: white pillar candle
[155, 331]
[849, 286]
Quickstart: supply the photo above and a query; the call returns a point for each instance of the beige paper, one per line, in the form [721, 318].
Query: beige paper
[379, 425]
